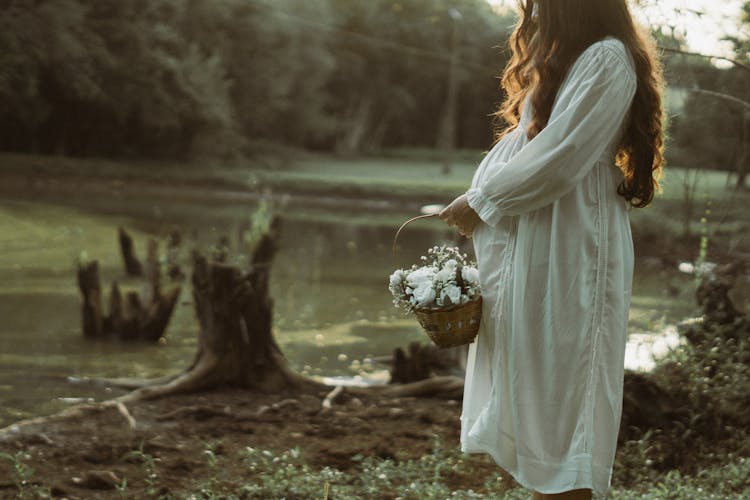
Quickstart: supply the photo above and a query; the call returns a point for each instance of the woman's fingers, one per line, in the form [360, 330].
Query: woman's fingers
[447, 216]
[459, 214]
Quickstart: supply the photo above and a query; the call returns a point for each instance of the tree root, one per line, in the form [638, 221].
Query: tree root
[130, 384]
[195, 379]
[195, 412]
[79, 412]
[125, 413]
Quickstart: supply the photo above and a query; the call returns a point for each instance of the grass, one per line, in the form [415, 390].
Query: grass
[445, 473]
[415, 179]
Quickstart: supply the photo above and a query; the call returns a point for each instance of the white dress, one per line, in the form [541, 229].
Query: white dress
[543, 389]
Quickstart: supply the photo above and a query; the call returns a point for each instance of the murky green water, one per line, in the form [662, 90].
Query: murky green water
[328, 282]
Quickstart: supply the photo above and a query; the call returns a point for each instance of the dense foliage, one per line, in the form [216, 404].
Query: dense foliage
[164, 78]
[223, 78]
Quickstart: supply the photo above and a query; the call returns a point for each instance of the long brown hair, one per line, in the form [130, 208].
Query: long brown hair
[546, 43]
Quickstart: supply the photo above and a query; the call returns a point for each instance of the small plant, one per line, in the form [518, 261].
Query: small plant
[22, 477]
[206, 489]
[260, 223]
[122, 488]
[210, 453]
[149, 468]
[287, 475]
[701, 266]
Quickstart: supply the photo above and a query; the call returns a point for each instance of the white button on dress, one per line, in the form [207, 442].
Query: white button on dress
[543, 389]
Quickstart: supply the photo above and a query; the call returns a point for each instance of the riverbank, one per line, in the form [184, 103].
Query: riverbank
[384, 183]
[692, 204]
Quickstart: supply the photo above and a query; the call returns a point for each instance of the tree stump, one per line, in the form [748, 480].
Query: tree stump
[133, 266]
[174, 243]
[137, 317]
[647, 406]
[128, 320]
[713, 297]
[412, 367]
[425, 360]
[91, 309]
[236, 347]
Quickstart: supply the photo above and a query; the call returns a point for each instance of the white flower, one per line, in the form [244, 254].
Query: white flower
[420, 276]
[424, 294]
[470, 275]
[453, 293]
[445, 275]
[435, 281]
[397, 277]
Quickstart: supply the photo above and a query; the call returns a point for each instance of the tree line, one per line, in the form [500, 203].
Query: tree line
[187, 78]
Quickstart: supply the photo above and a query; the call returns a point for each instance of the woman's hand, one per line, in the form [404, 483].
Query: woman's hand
[461, 215]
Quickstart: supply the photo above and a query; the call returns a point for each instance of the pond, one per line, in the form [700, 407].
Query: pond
[333, 312]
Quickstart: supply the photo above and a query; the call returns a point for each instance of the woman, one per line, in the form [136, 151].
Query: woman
[548, 211]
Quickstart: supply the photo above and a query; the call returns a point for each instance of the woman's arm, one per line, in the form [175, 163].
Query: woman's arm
[589, 110]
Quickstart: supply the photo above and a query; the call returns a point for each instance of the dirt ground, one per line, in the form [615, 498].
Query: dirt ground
[82, 455]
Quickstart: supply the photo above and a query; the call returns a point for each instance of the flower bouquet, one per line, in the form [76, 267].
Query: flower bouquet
[443, 293]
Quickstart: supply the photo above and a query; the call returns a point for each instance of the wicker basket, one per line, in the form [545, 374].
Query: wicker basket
[448, 326]
[454, 325]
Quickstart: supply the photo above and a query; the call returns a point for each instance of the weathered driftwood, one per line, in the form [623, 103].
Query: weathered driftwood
[133, 266]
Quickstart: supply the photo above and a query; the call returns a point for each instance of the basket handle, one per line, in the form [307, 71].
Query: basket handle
[395, 238]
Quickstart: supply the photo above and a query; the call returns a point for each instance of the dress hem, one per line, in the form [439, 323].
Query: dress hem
[514, 473]
[472, 445]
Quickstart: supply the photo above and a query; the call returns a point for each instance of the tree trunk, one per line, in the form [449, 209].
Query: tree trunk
[744, 161]
[357, 126]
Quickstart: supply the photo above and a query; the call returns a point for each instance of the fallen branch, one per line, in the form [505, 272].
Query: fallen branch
[123, 383]
[331, 397]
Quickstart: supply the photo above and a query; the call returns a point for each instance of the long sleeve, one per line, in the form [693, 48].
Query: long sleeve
[590, 108]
